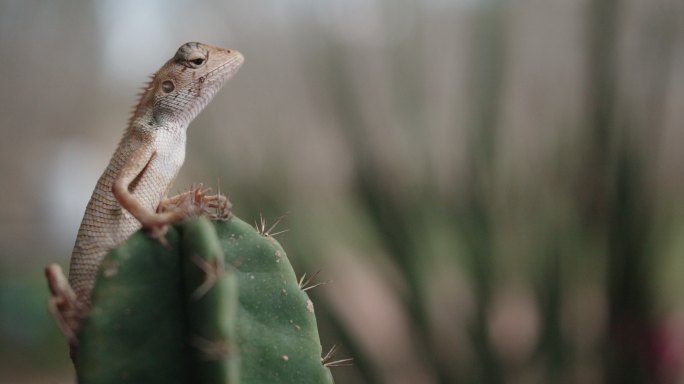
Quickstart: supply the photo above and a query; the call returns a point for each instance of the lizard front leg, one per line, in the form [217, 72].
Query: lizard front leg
[153, 222]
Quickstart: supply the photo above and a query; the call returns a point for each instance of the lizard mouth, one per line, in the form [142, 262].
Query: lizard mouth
[226, 70]
[210, 83]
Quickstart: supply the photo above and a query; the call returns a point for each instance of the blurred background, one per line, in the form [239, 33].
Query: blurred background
[495, 187]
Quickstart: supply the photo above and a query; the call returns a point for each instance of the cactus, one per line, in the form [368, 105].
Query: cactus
[221, 304]
[211, 294]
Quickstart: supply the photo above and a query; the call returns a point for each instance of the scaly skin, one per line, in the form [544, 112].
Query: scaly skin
[129, 192]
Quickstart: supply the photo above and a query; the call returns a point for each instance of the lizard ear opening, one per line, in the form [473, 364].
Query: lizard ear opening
[168, 86]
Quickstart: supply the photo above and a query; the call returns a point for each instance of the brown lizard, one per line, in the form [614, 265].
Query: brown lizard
[131, 192]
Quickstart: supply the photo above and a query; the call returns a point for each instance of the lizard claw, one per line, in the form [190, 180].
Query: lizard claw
[158, 224]
[158, 232]
[197, 202]
[193, 203]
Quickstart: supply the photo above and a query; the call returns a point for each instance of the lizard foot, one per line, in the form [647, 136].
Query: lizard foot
[158, 232]
[156, 225]
[197, 202]
[64, 305]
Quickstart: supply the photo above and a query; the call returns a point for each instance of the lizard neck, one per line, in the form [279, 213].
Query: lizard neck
[145, 121]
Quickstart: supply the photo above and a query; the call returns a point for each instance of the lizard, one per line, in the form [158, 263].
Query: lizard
[131, 193]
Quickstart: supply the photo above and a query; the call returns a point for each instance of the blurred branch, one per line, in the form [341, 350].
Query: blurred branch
[474, 221]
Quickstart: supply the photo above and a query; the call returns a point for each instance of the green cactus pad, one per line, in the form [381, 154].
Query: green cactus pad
[134, 331]
[211, 294]
[277, 332]
[156, 318]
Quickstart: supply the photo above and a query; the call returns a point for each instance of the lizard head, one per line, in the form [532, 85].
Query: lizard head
[187, 82]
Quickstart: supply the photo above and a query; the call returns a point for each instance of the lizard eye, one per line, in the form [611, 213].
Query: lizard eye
[198, 61]
[168, 86]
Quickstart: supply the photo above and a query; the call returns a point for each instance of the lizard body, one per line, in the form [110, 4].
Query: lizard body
[129, 192]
